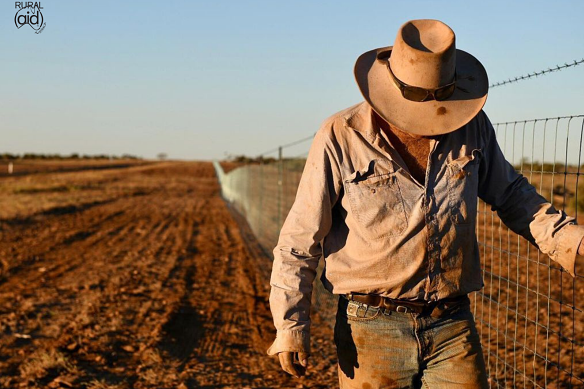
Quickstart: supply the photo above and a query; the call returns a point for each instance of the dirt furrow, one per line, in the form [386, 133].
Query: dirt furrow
[160, 286]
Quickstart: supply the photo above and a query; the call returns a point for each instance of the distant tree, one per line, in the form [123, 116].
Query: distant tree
[9, 156]
[162, 156]
[262, 159]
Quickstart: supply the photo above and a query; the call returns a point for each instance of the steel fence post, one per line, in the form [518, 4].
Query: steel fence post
[261, 198]
[280, 180]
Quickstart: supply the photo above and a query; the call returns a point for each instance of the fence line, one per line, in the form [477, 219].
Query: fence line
[528, 317]
[536, 74]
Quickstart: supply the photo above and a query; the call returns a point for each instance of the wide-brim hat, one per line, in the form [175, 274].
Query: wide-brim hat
[423, 55]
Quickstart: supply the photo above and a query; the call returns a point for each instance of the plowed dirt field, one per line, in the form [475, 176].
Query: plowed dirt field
[136, 277]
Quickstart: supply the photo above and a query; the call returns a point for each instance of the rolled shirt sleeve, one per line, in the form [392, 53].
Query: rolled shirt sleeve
[522, 209]
[299, 248]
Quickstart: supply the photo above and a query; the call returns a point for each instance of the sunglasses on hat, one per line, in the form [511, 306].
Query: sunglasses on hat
[416, 93]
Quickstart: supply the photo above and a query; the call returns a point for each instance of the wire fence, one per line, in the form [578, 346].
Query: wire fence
[528, 314]
[555, 68]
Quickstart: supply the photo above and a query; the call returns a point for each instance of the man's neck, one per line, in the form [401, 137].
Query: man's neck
[414, 149]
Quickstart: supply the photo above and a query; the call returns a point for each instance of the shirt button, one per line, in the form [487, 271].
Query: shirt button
[372, 190]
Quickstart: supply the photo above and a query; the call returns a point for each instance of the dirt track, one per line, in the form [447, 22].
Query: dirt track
[138, 277]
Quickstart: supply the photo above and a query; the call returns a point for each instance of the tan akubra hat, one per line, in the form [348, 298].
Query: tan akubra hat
[424, 56]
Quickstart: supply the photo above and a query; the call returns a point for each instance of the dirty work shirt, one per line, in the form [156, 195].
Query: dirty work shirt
[380, 231]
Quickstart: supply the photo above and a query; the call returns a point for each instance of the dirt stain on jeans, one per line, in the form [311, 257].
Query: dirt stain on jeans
[384, 382]
[388, 383]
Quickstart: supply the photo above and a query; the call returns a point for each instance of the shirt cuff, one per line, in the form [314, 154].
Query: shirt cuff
[567, 248]
[293, 341]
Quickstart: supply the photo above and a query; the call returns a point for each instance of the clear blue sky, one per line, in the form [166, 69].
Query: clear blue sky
[200, 79]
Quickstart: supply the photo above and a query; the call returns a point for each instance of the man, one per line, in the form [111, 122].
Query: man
[388, 197]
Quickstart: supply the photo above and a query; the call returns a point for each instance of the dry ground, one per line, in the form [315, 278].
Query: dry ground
[135, 277]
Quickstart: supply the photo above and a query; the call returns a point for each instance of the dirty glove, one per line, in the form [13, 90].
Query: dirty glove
[293, 363]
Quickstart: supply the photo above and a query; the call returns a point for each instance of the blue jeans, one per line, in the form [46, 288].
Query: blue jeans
[378, 349]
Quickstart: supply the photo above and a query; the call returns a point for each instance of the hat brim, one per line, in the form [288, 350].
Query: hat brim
[428, 117]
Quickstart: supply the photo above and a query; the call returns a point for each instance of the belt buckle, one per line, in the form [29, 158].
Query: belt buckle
[352, 309]
[402, 309]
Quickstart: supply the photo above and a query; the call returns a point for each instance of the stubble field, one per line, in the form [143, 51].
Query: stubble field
[136, 276]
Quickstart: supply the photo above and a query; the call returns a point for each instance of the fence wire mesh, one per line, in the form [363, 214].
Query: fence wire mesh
[528, 313]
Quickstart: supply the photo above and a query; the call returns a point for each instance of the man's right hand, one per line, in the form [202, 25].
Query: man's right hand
[294, 363]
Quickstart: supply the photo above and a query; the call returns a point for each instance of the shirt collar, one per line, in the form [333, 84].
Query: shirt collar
[361, 120]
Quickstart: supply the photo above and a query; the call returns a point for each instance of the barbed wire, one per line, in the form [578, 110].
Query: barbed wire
[287, 145]
[536, 74]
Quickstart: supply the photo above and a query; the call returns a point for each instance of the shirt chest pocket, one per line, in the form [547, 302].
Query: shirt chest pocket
[463, 184]
[376, 201]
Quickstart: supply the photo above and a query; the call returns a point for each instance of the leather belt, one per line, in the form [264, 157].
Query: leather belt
[426, 308]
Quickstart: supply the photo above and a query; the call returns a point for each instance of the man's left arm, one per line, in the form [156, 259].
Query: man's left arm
[522, 209]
